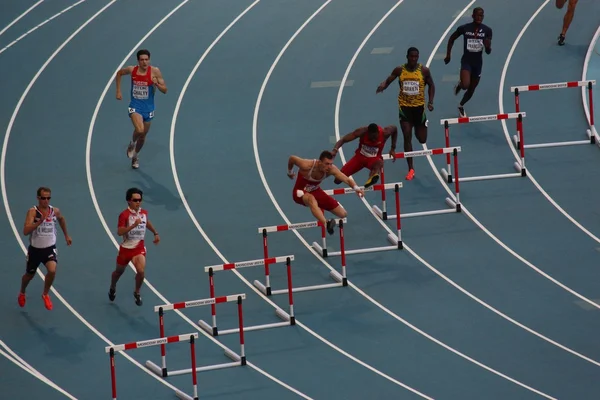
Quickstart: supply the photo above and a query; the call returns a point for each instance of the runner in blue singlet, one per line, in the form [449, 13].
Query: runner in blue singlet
[144, 82]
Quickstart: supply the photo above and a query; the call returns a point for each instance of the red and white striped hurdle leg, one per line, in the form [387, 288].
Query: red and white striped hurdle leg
[155, 342]
[287, 318]
[163, 370]
[591, 136]
[518, 166]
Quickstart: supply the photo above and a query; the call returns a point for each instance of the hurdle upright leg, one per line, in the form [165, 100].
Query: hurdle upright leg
[113, 375]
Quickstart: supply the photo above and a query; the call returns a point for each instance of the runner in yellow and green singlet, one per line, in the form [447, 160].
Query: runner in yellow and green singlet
[412, 78]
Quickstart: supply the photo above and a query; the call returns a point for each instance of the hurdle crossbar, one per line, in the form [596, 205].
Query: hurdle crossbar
[592, 136]
[156, 342]
[519, 166]
[289, 319]
[398, 244]
[340, 279]
[454, 206]
[237, 359]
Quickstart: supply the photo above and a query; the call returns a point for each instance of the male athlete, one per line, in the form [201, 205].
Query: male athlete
[567, 19]
[372, 139]
[412, 78]
[307, 191]
[477, 37]
[40, 225]
[144, 81]
[133, 222]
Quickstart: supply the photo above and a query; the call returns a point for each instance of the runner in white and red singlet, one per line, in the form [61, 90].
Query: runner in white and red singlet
[133, 222]
[307, 191]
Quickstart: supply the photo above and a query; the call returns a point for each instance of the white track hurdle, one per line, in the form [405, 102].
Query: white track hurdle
[453, 206]
[396, 240]
[155, 342]
[238, 359]
[288, 318]
[592, 135]
[341, 280]
[482, 118]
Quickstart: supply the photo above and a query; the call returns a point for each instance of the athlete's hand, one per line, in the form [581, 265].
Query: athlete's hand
[488, 45]
[68, 240]
[291, 174]
[119, 96]
[334, 152]
[380, 88]
[393, 155]
[447, 59]
[137, 221]
[430, 107]
[156, 239]
[360, 192]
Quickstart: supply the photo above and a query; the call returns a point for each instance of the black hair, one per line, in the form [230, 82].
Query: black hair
[372, 128]
[131, 192]
[43, 189]
[325, 154]
[410, 49]
[477, 9]
[143, 52]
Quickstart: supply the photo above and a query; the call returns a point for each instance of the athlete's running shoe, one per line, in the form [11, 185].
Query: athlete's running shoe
[138, 299]
[135, 163]
[561, 40]
[372, 180]
[22, 300]
[47, 301]
[411, 175]
[131, 149]
[112, 293]
[330, 226]
[461, 112]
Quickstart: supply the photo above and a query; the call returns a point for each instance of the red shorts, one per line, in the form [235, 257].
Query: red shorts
[325, 201]
[126, 255]
[357, 163]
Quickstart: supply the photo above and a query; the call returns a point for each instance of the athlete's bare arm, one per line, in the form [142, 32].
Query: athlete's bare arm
[340, 176]
[120, 73]
[29, 225]
[158, 80]
[124, 229]
[384, 85]
[430, 87]
[301, 163]
[151, 229]
[62, 221]
[348, 138]
[451, 40]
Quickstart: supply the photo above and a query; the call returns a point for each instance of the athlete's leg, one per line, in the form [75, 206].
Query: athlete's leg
[568, 16]
[339, 212]
[25, 279]
[351, 167]
[469, 93]
[142, 138]
[50, 275]
[139, 262]
[465, 78]
[407, 128]
[116, 275]
[421, 128]
[310, 202]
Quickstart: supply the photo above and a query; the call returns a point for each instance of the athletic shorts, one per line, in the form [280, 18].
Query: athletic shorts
[37, 256]
[325, 201]
[473, 68]
[126, 255]
[146, 116]
[357, 163]
[414, 115]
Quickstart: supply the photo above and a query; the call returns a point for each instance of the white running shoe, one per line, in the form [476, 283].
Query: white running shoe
[131, 149]
[135, 163]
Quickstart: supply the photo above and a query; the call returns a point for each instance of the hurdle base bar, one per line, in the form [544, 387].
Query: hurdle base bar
[454, 207]
[517, 166]
[590, 140]
[336, 276]
[238, 361]
[279, 312]
[320, 249]
[184, 396]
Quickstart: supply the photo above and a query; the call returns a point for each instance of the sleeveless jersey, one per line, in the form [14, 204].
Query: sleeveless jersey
[371, 148]
[45, 234]
[135, 237]
[308, 184]
[412, 87]
[142, 91]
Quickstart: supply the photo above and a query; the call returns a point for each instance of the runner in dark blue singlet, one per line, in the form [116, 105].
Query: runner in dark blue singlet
[477, 37]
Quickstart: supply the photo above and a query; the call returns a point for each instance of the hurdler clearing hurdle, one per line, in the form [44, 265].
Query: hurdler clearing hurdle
[307, 190]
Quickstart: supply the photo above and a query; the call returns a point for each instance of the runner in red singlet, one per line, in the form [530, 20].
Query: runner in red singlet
[307, 191]
[369, 151]
[132, 226]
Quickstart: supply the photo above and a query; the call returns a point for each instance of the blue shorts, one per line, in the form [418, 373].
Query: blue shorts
[146, 116]
[473, 68]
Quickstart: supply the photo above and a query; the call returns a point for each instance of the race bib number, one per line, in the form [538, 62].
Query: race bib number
[140, 92]
[369, 151]
[310, 188]
[45, 229]
[410, 88]
[139, 231]
[475, 45]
